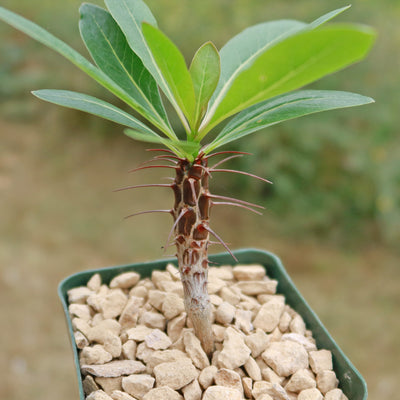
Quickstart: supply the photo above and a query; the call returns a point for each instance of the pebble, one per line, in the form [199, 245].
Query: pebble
[230, 296]
[125, 280]
[192, 391]
[176, 374]
[227, 377]
[225, 313]
[257, 342]
[285, 358]
[235, 352]
[253, 288]
[320, 360]
[153, 320]
[130, 314]
[247, 384]
[157, 340]
[129, 350]
[310, 394]
[252, 369]
[175, 326]
[138, 385]
[114, 369]
[206, 377]
[80, 340]
[222, 393]
[195, 351]
[269, 315]
[301, 380]
[79, 295]
[250, 272]
[304, 341]
[98, 395]
[243, 320]
[120, 395]
[335, 394]
[164, 356]
[172, 306]
[139, 333]
[162, 393]
[80, 311]
[326, 381]
[94, 282]
[89, 385]
[109, 385]
[94, 355]
[263, 350]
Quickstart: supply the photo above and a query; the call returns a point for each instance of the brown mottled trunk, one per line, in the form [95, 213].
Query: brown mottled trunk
[191, 215]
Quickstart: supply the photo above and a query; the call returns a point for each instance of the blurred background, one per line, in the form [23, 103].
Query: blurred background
[332, 215]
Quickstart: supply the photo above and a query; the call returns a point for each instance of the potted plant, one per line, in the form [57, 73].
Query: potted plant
[252, 82]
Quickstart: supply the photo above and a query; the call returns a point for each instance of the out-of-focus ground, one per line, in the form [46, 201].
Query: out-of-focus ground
[59, 214]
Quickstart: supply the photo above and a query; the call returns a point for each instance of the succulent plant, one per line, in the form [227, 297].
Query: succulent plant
[253, 80]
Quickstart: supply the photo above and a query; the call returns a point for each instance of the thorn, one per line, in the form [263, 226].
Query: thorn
[227, 203]
[141, 186]
[148, 212]
[229, 152]
[221, 241]
[226, 159]
[162, 150]
[242, 173]
[158, 158]
[215, 196]
[191, 182]
[153, 166]
[183, 212]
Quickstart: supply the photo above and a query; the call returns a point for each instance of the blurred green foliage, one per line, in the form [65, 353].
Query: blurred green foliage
[336, 175]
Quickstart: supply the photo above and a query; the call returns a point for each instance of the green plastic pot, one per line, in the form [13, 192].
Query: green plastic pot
[351, 381]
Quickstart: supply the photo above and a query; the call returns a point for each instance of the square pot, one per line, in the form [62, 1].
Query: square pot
[351, 381]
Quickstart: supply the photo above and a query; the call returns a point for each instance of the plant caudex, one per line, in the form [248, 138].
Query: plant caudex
[251, 79]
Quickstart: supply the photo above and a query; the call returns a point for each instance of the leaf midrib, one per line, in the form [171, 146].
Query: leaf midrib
[127, 72]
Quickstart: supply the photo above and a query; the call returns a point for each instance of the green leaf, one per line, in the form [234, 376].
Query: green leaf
[283, 108]
[172, 65]
[111, 52]
[181, 148]
[91, 105]
[295, 62]
[205, 71]
[241, 51]
[130, 15]
[46, 38]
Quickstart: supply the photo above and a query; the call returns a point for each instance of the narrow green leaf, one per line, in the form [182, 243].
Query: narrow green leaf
[91, 105]
[295, 62]
[111, 52]
[327, 17]
[283, 108]
[205, 71]
[46, 38]
[241, 51]
[181, 148]
[172, 65]
[130, 15]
